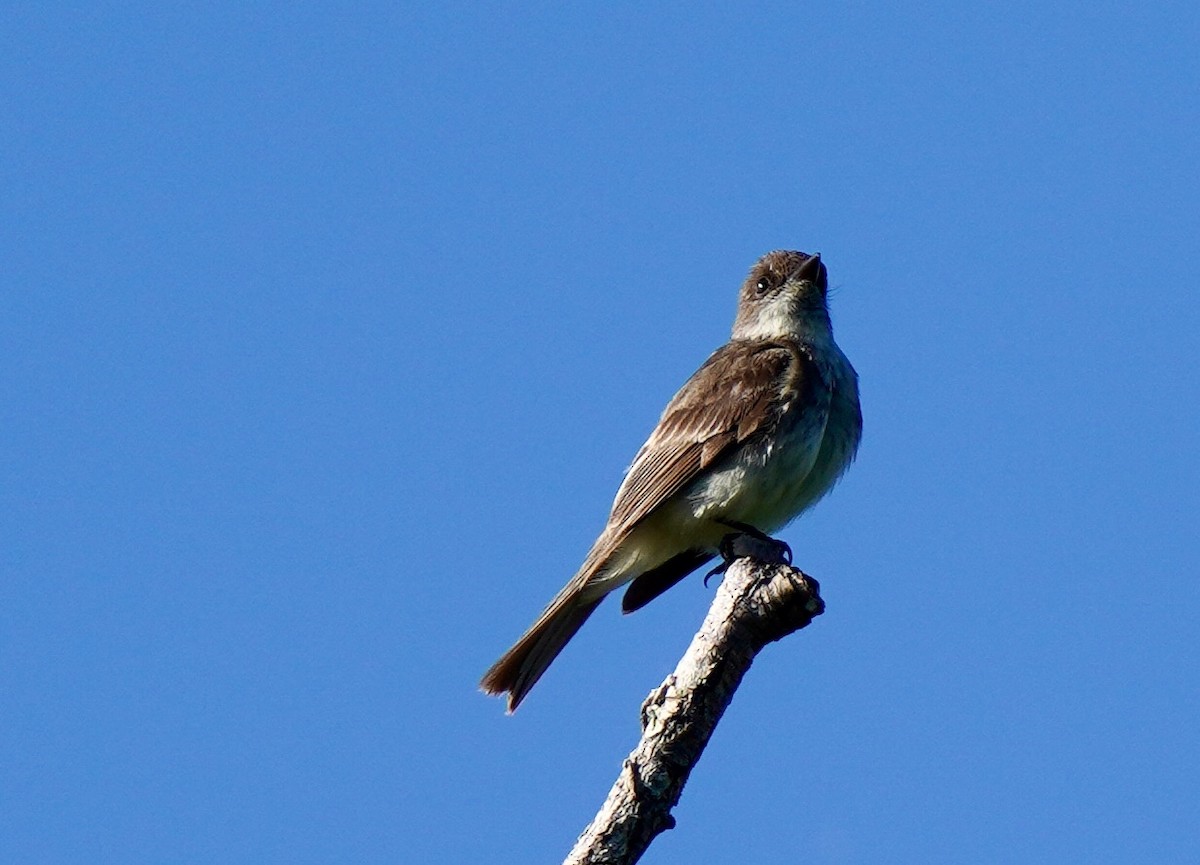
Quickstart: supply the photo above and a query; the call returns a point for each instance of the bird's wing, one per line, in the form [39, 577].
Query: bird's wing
[743, 388]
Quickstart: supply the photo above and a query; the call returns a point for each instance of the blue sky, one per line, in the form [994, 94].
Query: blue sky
[329, 331]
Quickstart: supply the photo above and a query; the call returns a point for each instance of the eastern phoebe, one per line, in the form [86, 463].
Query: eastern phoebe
[755, 437]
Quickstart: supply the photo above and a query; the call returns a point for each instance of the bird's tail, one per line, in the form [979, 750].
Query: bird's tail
[522, 665]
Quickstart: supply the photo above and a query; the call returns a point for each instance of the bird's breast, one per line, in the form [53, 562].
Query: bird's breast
[762, 481]
[767, 481]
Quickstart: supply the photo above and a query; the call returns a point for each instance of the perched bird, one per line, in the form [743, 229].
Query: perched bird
[756, 436]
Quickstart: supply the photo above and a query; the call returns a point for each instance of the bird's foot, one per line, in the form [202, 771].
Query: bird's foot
[748, 541]
[719, 569]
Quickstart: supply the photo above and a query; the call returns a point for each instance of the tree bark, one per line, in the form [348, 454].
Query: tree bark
[758, 602]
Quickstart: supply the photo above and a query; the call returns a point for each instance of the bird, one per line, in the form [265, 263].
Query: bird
[758, 434]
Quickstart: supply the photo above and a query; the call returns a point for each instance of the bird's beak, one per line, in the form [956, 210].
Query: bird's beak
[813, 271]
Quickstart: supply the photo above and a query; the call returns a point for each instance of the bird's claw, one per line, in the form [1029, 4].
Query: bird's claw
[729, 551]
[719, 569]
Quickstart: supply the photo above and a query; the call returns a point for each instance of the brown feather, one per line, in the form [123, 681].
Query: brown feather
[737, 392]
[522, 665]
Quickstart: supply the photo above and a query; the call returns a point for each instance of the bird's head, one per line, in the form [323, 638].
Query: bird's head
[784, 295]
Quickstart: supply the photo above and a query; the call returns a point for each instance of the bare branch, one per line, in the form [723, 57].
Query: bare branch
[756, 604]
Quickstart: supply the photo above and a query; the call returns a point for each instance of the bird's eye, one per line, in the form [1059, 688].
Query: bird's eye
[763, 285]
